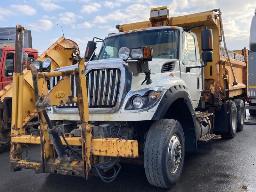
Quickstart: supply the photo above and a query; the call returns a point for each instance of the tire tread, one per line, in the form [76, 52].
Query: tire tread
[155, 142]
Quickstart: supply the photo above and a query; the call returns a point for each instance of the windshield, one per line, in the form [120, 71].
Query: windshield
[164, 43]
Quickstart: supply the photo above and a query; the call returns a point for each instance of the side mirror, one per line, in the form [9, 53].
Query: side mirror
[207, 40]
[90, 48]
[207, 45]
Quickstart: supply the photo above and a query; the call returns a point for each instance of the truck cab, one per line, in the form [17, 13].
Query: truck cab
[170, 46]
[121, 81]
[7, 57]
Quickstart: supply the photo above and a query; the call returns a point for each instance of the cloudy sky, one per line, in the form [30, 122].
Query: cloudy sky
[81, 20]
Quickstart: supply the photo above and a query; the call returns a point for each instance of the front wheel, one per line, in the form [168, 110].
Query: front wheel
[164, 153]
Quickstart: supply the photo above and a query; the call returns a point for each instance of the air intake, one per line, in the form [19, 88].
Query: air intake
[167, 67]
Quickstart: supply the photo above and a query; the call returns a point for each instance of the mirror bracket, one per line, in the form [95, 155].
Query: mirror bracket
[194, 67]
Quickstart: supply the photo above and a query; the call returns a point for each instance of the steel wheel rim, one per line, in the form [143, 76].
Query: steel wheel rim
[175, 154]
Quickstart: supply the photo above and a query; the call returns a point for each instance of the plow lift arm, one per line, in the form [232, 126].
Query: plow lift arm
[43, 100]
[54, 158]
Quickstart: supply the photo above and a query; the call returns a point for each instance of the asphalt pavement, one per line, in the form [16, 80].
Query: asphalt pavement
[218, 166]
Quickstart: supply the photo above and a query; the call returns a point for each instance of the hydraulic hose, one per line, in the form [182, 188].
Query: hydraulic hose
[110, 165]
[56, 141]
[225, 47]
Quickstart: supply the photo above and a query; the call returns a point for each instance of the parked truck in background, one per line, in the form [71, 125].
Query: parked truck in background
[154, 91]
[7, 57]
[251, 90]
[7, 52]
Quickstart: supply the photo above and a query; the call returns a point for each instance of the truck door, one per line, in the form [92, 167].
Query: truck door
[190, 57]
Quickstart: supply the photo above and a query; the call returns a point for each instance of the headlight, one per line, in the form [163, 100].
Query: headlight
[137, 102]
[144, 53]
[124, 53]
[37, 64]
[137, 54]
[148, 100]
[46, 63]
[44, 66]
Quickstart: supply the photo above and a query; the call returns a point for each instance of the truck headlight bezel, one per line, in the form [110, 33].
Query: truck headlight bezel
[148, 100]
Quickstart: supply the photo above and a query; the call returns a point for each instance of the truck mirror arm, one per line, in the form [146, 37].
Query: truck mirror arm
[193, 67]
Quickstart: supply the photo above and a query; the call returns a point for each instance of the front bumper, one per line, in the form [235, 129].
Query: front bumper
[119, 116]
[106, 147]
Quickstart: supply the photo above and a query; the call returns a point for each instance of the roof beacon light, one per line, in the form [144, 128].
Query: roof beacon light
[159, 13]
[159, 16]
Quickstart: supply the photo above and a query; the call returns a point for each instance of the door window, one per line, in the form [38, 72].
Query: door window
[9, 64]
[189, 50]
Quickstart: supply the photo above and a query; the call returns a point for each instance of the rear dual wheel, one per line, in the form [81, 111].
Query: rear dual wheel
[252, 112]
[230, 119]
[240, 105]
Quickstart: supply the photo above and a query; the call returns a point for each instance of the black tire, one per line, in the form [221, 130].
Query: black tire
[4, 142]
[3, 147]
[163, 138]
[5, 124]
[252, 112]
[231, 121]
[225, 123]
[240, 114]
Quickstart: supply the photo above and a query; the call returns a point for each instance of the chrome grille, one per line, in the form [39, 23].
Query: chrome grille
[103, 88]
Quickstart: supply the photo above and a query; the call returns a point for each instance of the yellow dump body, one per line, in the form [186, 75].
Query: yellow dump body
[220, 68]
